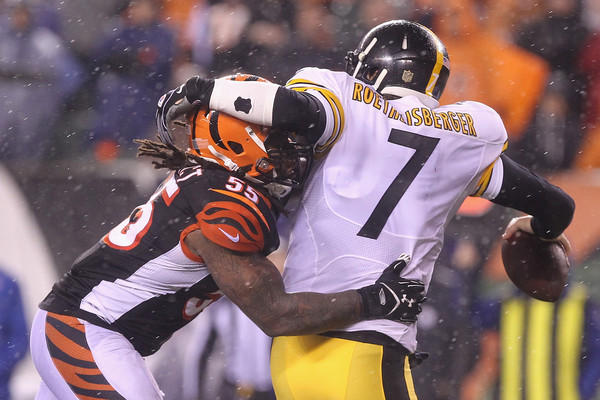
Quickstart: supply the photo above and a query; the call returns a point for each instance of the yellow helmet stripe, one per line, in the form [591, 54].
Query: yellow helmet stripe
[335, 105]
[439, 63]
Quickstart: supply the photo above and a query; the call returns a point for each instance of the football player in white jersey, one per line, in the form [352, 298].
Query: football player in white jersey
[394, 170]
[205, 233]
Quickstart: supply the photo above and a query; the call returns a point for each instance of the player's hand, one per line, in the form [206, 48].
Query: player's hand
[171, 106]
[392, 297]
[518, 224]
[524, 224]
[191, 96]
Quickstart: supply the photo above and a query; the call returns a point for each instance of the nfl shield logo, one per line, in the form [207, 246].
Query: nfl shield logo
[407, 76]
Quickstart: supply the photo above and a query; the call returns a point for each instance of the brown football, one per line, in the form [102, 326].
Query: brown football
[537, 267]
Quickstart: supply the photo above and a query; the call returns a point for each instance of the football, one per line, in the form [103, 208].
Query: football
[537, 267]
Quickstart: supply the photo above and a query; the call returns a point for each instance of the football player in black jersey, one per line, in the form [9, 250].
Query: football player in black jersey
[204, 233]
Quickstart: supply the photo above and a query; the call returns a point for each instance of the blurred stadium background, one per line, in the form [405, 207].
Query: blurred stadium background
[80, 80]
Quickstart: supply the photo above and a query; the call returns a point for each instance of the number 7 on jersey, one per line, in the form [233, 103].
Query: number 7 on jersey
[423, 146]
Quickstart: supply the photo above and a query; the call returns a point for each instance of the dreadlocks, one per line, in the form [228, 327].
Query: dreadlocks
[173, 158]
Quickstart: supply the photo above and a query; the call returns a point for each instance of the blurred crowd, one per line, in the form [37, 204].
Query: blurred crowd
[80, 80]
[83, 78]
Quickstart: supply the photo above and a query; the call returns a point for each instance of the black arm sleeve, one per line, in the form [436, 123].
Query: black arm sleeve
[299, 112]
[552, 209]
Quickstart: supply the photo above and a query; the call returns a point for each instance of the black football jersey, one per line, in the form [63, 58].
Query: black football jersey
[141, 280]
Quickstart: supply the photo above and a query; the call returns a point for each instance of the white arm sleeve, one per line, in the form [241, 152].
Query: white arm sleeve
[247, 100]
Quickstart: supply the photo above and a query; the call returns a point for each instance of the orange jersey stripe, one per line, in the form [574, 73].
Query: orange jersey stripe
[186, 250]
[244, 200]
[232, 226]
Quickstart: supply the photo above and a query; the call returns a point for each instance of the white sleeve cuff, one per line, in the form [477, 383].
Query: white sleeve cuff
[249, 101]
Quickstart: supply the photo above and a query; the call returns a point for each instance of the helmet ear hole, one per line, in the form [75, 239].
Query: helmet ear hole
[371, 73]
[236, 147]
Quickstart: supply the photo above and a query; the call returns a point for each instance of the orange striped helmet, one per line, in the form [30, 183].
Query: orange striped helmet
[250, 148]
[231, 142]
[245, 77]
[228, 141]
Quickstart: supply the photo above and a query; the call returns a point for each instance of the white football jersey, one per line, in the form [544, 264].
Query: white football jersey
[392, 175]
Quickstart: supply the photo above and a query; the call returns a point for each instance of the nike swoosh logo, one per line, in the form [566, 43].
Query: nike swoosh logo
[180, 88]
[234, 239]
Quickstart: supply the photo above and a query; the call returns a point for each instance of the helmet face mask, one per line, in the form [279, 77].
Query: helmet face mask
[400, 58]
[290, 160]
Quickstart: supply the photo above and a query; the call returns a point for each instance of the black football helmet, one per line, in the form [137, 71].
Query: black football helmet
[400, 58]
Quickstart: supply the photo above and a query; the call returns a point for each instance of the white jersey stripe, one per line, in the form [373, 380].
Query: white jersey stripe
[165, 274]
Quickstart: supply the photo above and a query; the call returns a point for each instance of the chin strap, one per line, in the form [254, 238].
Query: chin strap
[228, 162]
[278, 190]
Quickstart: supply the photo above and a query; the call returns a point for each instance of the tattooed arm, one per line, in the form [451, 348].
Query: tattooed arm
[253, 283]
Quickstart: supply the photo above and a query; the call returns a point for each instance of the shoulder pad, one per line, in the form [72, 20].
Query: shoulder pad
[234, 222]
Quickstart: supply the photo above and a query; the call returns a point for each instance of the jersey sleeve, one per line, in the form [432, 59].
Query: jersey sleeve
[229, 221]
[494, 139]
[490, 180]
[324, 86]
[232, 214]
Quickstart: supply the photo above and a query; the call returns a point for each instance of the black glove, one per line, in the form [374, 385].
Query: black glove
[392, 297]
[191, 96]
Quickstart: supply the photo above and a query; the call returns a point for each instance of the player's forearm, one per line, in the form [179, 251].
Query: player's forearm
[250, 101]
[525, 191]
[390, 297]
[299, 112]
[255, 285]
[262, 103]
[309, 313]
